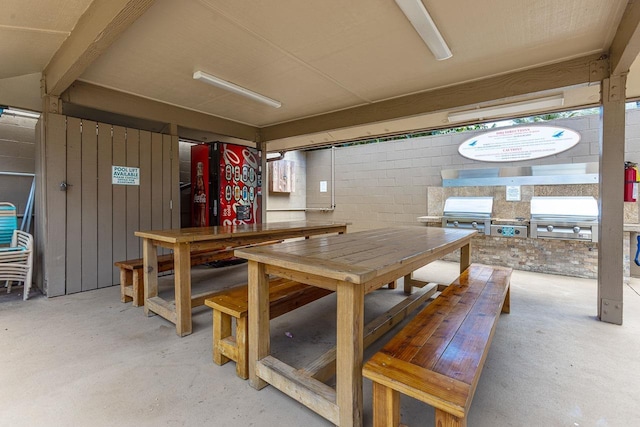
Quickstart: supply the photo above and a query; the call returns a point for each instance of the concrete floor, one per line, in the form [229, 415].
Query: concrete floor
[87, 359]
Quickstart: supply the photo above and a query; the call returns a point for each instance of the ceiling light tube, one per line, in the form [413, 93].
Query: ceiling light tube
[507, 109]
[239, 90]
[415, 12]
[19, 113]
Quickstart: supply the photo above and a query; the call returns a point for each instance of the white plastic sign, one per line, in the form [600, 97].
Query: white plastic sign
[519, 143]
[124, 175]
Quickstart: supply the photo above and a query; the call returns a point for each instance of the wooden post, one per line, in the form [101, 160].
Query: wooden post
[610, 254]
[259, 339]
[182, 265]
[150, 257]
[349, 346]
[386, 406]
[465, 257]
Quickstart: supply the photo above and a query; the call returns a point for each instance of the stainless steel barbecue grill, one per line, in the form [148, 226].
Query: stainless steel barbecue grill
[568, 218]
[468, 212]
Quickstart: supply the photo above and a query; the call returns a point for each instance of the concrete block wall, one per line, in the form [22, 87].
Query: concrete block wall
[386, 183]
[395, 182]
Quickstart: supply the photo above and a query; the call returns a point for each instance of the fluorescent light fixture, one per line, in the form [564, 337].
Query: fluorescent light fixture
[19, 113]
[415, 12]
[507, 109]
[239, 90]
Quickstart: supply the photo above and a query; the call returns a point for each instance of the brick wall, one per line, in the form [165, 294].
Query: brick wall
[570, 258]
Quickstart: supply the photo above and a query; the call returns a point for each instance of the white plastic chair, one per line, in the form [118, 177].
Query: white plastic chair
[16, 261]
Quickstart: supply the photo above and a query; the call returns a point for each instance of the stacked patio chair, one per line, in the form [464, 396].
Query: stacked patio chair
[8, 222]
[16, 261]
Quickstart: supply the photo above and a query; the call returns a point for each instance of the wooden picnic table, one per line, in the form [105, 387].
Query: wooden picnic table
[352, 265]
[185, 240]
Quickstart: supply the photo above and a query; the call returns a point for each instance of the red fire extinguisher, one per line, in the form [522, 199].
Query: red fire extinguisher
[630, 182]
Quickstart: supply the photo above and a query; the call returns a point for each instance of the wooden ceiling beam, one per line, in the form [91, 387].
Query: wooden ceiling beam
[91, 96]
[583, 70]
[99, 26]
[626, 43]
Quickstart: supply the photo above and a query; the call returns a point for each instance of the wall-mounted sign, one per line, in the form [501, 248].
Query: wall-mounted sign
[513, 193]
[124, 175]
[519, 143]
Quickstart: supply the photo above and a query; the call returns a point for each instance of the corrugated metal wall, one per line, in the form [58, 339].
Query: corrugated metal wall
[90, 225]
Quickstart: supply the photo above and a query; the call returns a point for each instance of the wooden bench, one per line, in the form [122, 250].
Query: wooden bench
[131, 271]
[438, 356]
[284, 296]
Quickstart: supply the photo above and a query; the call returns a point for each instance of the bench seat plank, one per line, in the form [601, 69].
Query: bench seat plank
[438, 357]
[419, 383]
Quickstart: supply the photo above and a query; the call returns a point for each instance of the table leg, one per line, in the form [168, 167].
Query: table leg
[465, 257]
[182, 266]
[259, 338]
[150, 260]
[349, 346]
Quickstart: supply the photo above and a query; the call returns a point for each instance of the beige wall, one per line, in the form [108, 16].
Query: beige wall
[288, 206]
[393, 183]
[17, 154]
[386, 183]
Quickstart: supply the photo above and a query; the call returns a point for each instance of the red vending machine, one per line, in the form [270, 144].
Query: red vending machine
[226, 184]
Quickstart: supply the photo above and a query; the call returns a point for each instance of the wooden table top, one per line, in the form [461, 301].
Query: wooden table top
[198, 234]
[361, 256]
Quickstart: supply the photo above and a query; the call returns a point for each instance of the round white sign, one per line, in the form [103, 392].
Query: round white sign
[519, 143]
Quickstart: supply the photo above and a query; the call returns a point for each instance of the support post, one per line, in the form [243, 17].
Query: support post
[612, 142]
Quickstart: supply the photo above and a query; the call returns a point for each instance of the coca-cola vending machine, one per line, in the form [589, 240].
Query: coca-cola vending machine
[226, 184]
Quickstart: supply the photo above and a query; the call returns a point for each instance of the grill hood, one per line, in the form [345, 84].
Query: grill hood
[468, 207]
[566, 218]
[468, 212]
[576, 209]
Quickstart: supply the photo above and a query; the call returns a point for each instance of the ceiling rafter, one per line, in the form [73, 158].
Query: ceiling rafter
[583, 70]
[100, 25]
[109, 100]
[626, 42]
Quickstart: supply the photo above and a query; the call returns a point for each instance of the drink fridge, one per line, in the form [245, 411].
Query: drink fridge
[226, 184]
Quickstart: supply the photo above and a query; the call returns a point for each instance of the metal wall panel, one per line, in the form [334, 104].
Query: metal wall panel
[55, 147]
[145, 182]
[166, 181]
[119, 207]
[133, 196]
[74, 206]
[92, 224]
[105, 202]
[89, 205]
[175, 182]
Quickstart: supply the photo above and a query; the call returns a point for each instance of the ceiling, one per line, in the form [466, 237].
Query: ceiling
[341, 69]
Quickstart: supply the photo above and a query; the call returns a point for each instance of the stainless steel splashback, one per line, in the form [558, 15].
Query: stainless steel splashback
[571, 173]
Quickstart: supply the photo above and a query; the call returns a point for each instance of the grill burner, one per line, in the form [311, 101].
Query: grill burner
[468, 212]
[568, 218]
